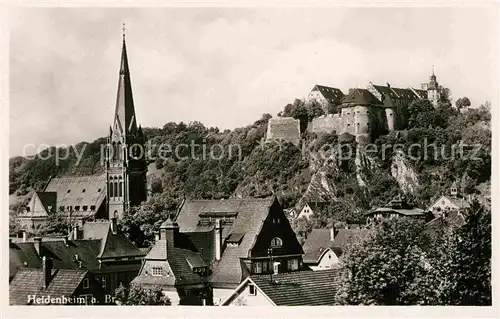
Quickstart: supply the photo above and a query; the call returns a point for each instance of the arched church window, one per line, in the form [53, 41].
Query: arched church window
[111, 189]
[116, 189]
[120, 186]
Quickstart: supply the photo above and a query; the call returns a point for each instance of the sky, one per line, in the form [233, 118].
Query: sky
[226, 67]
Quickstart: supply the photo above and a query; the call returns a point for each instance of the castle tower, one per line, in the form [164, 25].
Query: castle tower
[126, 163]
[433, 90]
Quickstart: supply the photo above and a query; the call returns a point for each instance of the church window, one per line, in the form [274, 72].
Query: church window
[276, 242]
[77, 208]
[120, 189]
[111, 189]
[115, 189]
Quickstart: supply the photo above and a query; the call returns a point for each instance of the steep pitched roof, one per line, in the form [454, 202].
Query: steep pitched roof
[125, 119]
[360, 97]
[41, 204]
[27, 282]
[251, 214]
[331, 94]
[422, 94]
[300, 288]
[78, 191]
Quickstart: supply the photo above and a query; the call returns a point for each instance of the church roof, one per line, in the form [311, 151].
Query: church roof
[78, 191]
[125, 120]
[360, 97]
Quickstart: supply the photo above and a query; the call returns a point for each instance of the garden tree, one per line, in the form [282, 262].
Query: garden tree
[462, 102]
[314, 109]
[14, 226]
[482, 113]
[136, 295]
[387, 268]
[57, 225]
[156, 184]
[467, 270]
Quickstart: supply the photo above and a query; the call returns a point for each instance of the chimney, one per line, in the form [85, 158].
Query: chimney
[38, 245]
[332, 233]
[114, 225]
[25, 236]
[157, 236]
[169, 230]
[47, 271]
[388, 85]
[218, 240]
[76, 232]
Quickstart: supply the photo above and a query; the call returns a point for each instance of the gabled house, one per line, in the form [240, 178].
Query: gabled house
[308, 208]
[109, 256]
[49, 286]
[325, 96]
[251, 236]
[319, 249]
[178, 266]
[301, 288]
[34, 215]
[451, 202]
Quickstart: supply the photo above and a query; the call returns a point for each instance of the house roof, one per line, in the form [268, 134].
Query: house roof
[251, 214]
[360, 97]
[300, 288]
[331, 94]
[406, 212]
[78, 191]
[180, 260]
[27, 282]
[451, 220]
[317, 242]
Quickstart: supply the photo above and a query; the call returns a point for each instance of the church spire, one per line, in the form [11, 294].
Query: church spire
[124, 121]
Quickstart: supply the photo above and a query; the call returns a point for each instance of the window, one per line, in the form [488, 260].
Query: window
[77, 208]
[83, 190]
[92, 207]
[27, 209]
[276, 242]
[257, 267]
[293, 264]
[120, 186]
[86, 283]
[99, 190]
[115, 194]
[61, 208]
[265, 267]
[103, 282]
[157, 271]
[111, 189]
[251, 290]
[85, 207]
[69, 190]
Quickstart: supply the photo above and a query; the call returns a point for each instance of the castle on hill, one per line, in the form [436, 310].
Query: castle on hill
[362, 112]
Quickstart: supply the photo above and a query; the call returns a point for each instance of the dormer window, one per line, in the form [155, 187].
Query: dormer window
[61, 208]
[85, 208]
[77, 208]
[99, 190]
[83, 190]
[92, 207]
[68, 191]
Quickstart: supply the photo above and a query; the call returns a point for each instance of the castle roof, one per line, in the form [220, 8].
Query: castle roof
[360, 97]
[331, 94]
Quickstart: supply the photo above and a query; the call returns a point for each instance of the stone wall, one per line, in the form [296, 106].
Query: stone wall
[326, 124]
[283, 128]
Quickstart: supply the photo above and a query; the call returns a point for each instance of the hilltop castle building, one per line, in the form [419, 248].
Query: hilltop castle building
[106, 196]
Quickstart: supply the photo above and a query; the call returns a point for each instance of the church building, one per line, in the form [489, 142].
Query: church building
[123, 185]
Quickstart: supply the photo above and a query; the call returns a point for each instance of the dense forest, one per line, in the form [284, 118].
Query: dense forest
[310, 172]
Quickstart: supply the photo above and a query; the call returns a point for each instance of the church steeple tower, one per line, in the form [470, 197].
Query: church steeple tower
[126, 163]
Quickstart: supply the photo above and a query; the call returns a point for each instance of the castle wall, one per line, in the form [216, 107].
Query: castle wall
[283, 128]
[326, 124]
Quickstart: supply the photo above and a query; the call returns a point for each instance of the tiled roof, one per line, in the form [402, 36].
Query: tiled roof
[450, 221]
[332, 95]
[301, 288]
[249, 220]
[316, 244]
[78, 191]
[385, 91]
[360, 97]
[422, 94]
[117, 245]
[406, 94]
[28, 282]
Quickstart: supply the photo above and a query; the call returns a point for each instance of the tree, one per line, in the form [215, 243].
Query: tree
[462, 102]
[386, 269]
[136, 295]
[468, 269]
[420, 114]
[314, 110]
